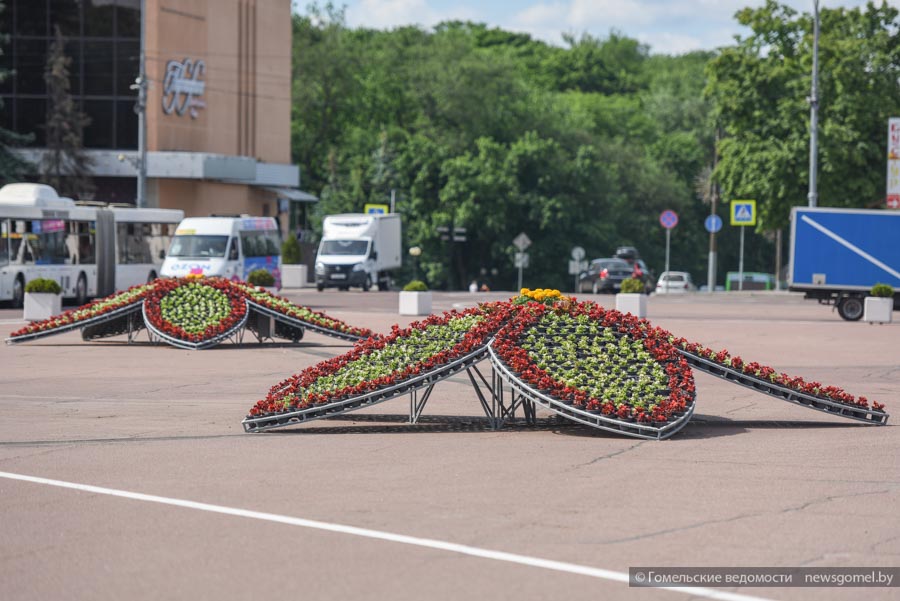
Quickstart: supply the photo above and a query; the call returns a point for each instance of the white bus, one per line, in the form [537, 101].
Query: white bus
[89, 248]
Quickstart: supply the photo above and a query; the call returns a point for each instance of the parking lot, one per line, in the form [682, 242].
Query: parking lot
[127, 474]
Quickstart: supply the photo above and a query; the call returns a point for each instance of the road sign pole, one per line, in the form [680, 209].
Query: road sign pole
[711, 270]
[741, 263]
[520, 276]
[668, 239]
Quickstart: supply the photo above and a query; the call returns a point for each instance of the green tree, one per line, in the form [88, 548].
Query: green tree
[759, 89]
[12, 167]
[65, 165]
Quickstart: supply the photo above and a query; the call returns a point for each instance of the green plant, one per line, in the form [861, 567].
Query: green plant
[882, 290]
[290, 251]
[261, 277]
[416, 286]
[43, 285]
[632, 285]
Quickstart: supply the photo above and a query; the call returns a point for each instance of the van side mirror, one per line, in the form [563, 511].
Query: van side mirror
[162, 255]
[374, 255]
[233, 253]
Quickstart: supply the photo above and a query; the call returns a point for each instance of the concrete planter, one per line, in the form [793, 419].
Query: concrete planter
[42, 305]
[415, 303]
[293, 276]
[633, 303]
[878, 309]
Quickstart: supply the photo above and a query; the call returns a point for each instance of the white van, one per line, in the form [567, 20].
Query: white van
[228, 247]
[358, 250]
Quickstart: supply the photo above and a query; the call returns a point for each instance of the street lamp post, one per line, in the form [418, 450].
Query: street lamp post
[814, 113]
[140, 85]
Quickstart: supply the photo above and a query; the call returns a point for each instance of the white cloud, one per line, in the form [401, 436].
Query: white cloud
[387, 14]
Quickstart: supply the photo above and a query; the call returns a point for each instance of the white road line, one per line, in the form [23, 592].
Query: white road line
[535, 562]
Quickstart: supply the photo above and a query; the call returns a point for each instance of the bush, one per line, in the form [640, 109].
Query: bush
[416, 286]
[632, 285]
[882, 290]
[261, 277]
[43, 285]
[290, 251]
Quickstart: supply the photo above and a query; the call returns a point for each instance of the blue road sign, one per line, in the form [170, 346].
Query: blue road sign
[713, 224]
[668, 219]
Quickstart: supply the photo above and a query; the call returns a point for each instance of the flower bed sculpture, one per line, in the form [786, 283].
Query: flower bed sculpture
[588, 364]
[188, 312]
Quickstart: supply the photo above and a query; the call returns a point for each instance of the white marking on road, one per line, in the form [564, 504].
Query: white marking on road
[851, 246]
[428, 543]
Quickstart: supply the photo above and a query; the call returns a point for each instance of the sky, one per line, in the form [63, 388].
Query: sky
[667, 26]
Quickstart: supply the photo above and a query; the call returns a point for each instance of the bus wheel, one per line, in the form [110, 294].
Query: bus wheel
[18, 297]
[851, 308]
[320, 287]
[81, 290]
[151, 277]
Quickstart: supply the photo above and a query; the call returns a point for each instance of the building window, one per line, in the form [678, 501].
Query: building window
[102, 37]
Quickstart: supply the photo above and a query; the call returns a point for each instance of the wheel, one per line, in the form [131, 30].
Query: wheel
[81, 290]
[18, 298]
[367, 284]
[595, 288]
[343, 288]
[152, 276]
[382, 285]
[851, 308]
[320, 287]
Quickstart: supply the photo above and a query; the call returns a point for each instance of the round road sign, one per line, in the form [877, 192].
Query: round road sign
[668, 219]
[713, 224]
[577, 253]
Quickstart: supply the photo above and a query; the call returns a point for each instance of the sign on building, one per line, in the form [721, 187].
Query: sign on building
[893, 167]
[183, 87]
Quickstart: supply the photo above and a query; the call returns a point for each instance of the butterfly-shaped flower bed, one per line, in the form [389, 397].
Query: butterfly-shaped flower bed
[192, 313]
[381, 368]
[597, 367]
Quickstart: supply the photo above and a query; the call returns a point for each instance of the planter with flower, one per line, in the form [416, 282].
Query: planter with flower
[879, 305]
[631, 298]
[43, 299]
[415, 299]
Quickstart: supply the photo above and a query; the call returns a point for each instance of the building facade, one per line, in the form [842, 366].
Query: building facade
[218, 103]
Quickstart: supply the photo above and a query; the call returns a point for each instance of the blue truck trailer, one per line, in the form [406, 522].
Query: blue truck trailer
[837, 255]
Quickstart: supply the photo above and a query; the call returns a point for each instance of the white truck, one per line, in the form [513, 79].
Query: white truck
[358, 250]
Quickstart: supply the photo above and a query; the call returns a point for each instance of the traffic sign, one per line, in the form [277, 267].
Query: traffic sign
[668, 219]
[743, 212]
[521, 260]
[373, 209]
[577, 253]
[576, 267]
[713, 224]
[522, 241]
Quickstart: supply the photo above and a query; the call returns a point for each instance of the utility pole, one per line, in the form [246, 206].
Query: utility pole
[814, 113]
[713, 247]
[140, 84]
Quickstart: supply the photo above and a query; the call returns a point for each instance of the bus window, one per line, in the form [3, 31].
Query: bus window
[158, 239]
[260, 244]
[52, 242]
[80, 242]
[4, 241]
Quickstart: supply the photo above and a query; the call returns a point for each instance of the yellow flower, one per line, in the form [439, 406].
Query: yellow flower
[524, 291]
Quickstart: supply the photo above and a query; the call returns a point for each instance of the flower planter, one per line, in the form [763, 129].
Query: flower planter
[415, 303]
[633, 303]
[878, 309]
[294, 276]
[41, 305]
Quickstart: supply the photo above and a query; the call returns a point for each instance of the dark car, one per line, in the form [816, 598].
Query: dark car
[630, 255]
[604, 276]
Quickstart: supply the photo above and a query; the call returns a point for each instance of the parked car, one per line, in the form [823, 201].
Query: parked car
[639, 269]
[604, 276]
[675, 281]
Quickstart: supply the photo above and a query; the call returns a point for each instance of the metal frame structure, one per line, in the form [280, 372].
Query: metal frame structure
[99, 319]
[865, 415]
[295, 321]
[235, 332]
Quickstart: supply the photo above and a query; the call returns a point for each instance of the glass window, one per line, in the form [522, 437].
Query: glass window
[198, 246]
[6, 17]
[126, 124]
[31, 114]
[98, 18]
[80, 242]
[6, 113]
[158, 235]
[127, 55]
[128, 18]
[98, 68]
[4, 241]
[344, 247]
[99, 133]
[30, 58]
[31, 17]
[52, 242]
[6, 65]
[66, 14]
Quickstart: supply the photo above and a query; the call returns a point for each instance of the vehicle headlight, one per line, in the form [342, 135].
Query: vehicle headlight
[320, 267]
[359, 267]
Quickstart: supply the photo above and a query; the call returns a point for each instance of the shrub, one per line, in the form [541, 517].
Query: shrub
[261, 277]
[416, 286]
[632, 285]
[883, 290]
[290, 251]
[43, 285]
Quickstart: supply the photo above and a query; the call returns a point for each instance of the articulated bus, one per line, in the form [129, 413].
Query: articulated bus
[91, 249]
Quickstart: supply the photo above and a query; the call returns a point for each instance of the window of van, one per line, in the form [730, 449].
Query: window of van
[198, 246]
[260, 244]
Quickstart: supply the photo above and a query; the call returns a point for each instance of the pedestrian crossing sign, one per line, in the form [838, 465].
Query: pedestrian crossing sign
[743, 212]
